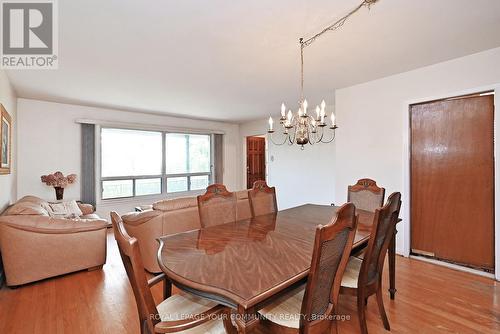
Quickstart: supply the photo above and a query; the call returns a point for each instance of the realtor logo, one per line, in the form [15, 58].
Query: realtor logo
[29, 35]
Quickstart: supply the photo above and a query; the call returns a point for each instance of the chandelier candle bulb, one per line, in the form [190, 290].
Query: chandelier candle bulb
[305, 107]
[333, 119]
[270, 124]
[283, 111]
[317, 113]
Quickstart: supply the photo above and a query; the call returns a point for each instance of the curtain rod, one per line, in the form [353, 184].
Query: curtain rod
[151, 127]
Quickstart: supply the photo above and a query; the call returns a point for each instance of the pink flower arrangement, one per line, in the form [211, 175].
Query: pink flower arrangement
[58, 179]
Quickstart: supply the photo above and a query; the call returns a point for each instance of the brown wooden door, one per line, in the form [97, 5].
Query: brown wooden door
[256, 160]
[452, 180]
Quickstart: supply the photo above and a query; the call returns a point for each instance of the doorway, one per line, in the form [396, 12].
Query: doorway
[256, 159]
[452, 180]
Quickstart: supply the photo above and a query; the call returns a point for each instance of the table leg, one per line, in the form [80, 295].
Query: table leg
[392, 265]
[228, 324]
[246, 320]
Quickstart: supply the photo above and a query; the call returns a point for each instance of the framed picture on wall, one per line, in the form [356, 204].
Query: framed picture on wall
[5, 141]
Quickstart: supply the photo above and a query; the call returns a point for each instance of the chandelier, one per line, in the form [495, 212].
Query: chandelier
[301, 127]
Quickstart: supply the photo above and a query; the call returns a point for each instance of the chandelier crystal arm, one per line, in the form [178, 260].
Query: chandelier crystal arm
[270, 136]
[291, 140]
[330, 140]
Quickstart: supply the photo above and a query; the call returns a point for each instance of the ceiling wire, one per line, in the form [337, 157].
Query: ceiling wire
[338, 24]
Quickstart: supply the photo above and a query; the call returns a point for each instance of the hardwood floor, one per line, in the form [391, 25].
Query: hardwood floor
[430, 299]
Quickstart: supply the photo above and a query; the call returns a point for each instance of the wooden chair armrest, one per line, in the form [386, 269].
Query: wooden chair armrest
[185, 324]
[157, 279]
[167, 284]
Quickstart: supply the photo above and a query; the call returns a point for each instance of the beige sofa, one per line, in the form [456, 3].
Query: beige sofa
[35, 246]
[170, 217]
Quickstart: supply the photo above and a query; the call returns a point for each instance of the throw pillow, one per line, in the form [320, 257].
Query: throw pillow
[66, 209]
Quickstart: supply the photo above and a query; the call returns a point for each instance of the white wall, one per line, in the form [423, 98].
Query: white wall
[372, 138]
[376, 114]
[49, 140]
[8, 182]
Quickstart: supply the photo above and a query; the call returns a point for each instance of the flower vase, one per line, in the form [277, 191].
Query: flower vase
[59, 193]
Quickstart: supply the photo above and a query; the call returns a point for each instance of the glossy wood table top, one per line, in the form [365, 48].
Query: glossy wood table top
[247, 261]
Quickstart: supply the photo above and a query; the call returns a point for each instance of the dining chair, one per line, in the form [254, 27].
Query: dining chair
[311, 308]
[366, 195]
[262, 199]
[181, 313]
[363, 277]
[217, 206]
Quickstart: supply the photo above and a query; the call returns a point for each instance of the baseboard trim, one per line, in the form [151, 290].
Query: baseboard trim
[454, 266]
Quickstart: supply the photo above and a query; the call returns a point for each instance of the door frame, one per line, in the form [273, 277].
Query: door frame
[406, 108]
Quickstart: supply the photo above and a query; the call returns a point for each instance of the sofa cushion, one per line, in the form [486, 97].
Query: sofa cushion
[175, 204]
[49, 225]
[243, 210]
[26, 208]
[182, 220]
[243, 205]
[32, 199]
[242, 194]
[138, 218]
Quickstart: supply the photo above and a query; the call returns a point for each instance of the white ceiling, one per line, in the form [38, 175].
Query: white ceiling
[238, 60]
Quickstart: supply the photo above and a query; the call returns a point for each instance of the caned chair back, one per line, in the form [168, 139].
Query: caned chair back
[217, 206]
[384, 224]
[132, 260]
[366, 195]
[262, 199]
[332, 247]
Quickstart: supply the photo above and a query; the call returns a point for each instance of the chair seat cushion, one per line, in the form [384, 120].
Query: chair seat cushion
[182, 306]
[351, 274]
[285, 311]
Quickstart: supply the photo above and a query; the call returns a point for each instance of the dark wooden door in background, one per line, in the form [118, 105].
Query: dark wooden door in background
[256, 160]
[452, 180]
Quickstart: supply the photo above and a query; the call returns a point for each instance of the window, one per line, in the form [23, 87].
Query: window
[188, 162]
[140, 163]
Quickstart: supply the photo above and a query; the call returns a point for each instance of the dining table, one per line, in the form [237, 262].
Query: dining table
[247, 264]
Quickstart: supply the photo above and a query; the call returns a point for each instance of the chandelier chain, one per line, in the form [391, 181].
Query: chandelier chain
[301, 71]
